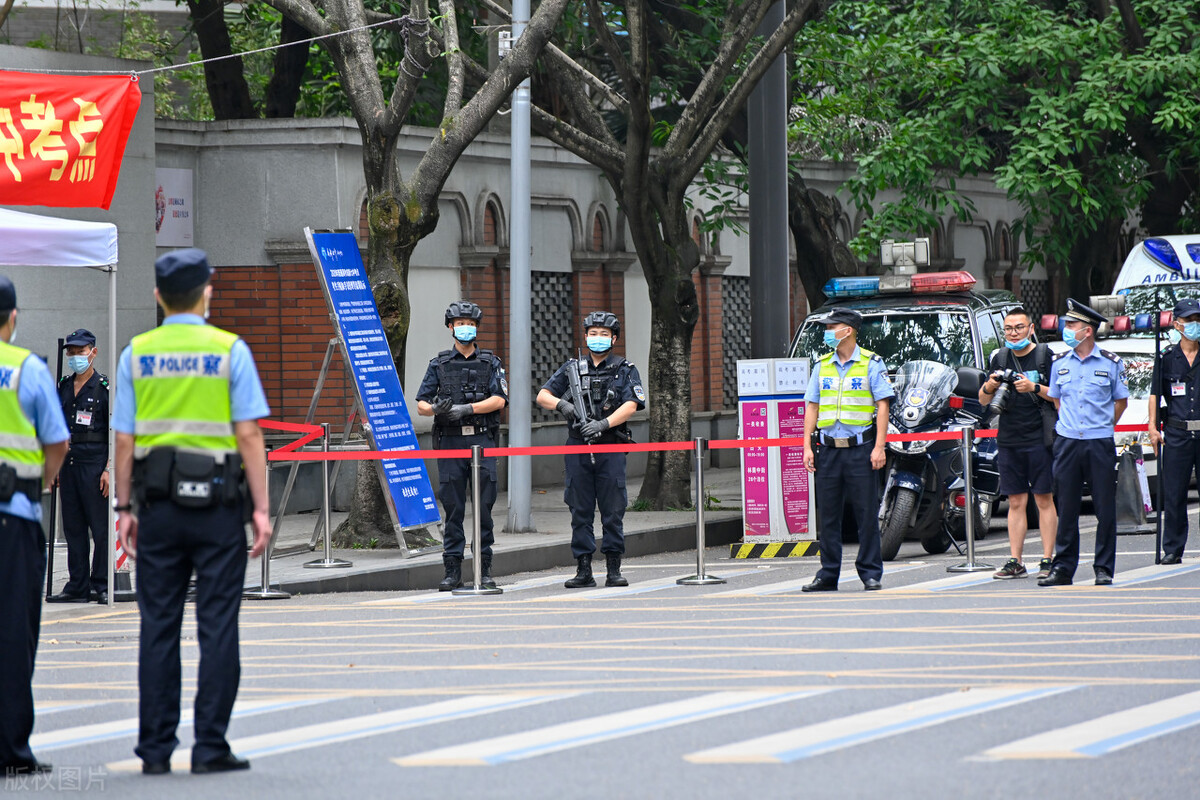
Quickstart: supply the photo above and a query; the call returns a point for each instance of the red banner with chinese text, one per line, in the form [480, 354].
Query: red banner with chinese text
[62, 137]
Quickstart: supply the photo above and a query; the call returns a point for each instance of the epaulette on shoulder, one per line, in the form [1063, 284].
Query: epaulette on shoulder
[877, 357]
[1169, 349]
[62, 381]
[103, 379]
[1111, 356]
[1057, 356]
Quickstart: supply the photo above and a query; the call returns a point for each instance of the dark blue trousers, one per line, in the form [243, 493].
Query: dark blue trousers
[1093, 460]
[84, 511]
[454, 483]
[172, 543]
[22, 570]
[1180, 458]
[589, 486]
[844, 476]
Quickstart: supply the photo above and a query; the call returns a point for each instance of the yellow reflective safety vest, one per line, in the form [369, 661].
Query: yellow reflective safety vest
[19, 445]
[181, 377]
[846, 399]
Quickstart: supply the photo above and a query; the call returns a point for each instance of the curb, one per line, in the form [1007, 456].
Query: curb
[426, 574]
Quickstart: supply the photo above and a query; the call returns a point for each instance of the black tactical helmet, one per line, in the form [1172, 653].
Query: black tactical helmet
[461, 309]
[602, 319]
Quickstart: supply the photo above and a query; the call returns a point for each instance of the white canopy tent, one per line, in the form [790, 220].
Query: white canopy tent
[35, 241]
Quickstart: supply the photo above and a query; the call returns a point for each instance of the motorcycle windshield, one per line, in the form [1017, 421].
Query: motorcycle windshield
[923, 391]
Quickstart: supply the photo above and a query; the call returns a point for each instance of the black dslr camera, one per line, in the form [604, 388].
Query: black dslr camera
[1004, 394]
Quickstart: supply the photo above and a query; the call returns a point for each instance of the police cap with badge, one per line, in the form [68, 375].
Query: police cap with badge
[1081, 313]
[80, 337]
[841, 316]
[180, 271]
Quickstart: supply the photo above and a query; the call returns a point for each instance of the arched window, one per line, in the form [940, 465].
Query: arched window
[489, 225]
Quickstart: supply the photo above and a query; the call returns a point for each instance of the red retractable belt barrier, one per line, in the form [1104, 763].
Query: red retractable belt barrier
[290, 451]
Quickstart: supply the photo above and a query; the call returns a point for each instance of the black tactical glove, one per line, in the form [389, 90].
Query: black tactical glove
[593, 428]
[459, 411]
[567, 410]
[443, 406]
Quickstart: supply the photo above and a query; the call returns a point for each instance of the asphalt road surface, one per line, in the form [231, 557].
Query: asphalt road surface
[943, 685]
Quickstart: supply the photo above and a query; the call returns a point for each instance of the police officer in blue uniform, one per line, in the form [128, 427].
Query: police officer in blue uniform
[613, 389]
[187, 437]
[1176, 383]
[845, 424]
[464, 391]
[33, 447]
[1088, 386]
[83, 482]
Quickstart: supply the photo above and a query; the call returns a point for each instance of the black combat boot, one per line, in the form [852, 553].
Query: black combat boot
[583, 575]
[485, 573]
[453, 578]
[615, 578]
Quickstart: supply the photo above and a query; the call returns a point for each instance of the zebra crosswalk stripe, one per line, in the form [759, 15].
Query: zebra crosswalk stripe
[1154, 572]
[1107, 734]
[436, 597]
[343, 730]
[105, 731]
[607, 593]
[567, 735]
[837, 734]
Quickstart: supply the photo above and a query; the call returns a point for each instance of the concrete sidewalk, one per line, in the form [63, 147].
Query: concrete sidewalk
[381, 569]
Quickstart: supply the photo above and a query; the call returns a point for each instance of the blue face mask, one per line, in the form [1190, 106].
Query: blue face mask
[464, 333]
[1191, 330]
[599, 344]
[1069, 338]
[831, 339]
[1021, 345]
[78, 364]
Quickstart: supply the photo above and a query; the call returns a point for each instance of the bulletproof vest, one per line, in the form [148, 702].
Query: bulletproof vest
[467, 380]
[601, 385]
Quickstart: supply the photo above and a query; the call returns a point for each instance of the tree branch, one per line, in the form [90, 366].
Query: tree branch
[600, 154]
[734, 100]
[584, 115]
[454, 59]
[304, 13]
[700, 104]
[611, 46]
[1133, 29]
[413, 66]
[557, 56]
[453, 139]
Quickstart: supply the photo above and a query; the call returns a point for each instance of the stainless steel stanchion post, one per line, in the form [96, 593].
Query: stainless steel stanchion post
[265, 592]
[477, 538]
[700, 578]
[328, 562]
[968, 439]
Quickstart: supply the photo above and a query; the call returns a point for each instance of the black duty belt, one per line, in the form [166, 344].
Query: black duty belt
[866, 437]
[89, 438]
[1183, 424]
[464, 430]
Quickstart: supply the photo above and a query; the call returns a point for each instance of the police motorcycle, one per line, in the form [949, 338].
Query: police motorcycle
[924, 492]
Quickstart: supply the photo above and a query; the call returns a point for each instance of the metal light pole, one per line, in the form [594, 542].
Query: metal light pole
[520, 406]
[769, 286]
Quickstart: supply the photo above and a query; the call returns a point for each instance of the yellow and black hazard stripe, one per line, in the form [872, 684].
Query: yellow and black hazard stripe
[774, 550]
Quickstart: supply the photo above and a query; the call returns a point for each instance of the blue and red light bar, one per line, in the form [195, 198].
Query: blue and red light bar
[921, 283]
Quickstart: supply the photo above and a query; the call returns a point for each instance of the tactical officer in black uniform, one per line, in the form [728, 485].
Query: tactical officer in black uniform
[1176, 385]
[612, 391]
[464, 391]
[83, 481]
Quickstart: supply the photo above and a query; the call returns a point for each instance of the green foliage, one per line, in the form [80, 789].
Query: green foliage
[1073, 123]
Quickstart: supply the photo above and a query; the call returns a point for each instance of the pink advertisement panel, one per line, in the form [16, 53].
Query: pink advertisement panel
[794, 475]
[756, 489]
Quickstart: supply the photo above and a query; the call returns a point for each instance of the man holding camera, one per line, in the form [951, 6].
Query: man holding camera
[1016, 389]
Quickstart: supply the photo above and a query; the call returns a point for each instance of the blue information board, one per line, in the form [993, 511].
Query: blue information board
[370, 360]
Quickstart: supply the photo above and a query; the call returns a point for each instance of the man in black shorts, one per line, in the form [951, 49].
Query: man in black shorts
[1025, 459]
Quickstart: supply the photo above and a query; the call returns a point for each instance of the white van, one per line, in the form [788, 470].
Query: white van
[1160, 260]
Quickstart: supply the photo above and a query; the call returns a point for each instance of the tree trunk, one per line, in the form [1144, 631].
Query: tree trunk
[227, 89]
[668, 263]
[813, 219]
[283, 91]
[395, 228]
